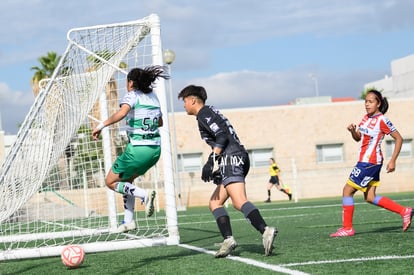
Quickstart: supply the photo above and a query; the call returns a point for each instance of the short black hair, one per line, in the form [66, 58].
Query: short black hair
[193, 90]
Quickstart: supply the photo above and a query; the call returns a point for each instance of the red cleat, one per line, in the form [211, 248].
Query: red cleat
[407, 217]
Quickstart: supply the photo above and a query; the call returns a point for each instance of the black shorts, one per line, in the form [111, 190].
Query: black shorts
[274, 180]
[234, 168]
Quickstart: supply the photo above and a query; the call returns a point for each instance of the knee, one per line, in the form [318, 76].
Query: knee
[110, 184]
[212, 205]
[237, 207]
[238, 204]
[369, 199]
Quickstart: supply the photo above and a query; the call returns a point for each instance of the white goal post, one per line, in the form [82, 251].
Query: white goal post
[52, 190]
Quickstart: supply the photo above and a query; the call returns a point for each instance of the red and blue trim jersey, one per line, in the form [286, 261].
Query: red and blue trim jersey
[373, 130]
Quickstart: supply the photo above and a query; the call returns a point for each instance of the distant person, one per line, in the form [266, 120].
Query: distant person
[233, 162]
[141, 108]
[365, 176]
[275, 180]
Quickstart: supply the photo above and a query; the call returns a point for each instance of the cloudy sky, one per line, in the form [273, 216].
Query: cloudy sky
[245, 53]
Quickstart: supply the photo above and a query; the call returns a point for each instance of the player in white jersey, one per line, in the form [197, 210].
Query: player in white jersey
[365, 176]
[141, 108]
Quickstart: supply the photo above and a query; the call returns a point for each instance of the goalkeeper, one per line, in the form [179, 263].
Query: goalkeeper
[141, 108]
[234, 164]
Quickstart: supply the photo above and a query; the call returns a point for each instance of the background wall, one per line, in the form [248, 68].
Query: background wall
[294, 131]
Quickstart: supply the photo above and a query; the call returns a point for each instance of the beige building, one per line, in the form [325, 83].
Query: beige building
[401, 82]
[309, 142]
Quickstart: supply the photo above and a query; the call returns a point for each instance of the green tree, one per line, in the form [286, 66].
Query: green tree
[111, 90]
[83, 157]
[48, 64]
[367, 89]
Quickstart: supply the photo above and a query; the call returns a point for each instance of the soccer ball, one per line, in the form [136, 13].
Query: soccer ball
[72, 255]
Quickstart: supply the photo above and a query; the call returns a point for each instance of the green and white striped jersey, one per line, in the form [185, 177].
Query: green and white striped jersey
[142, 119]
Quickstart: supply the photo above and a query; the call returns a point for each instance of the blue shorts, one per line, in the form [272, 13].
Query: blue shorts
[364, 175]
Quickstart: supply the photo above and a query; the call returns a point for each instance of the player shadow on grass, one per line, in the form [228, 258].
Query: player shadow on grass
[388, 229]
[214, 242]
[34, 268]
[144, 262]
[255, 249]
[212, 234]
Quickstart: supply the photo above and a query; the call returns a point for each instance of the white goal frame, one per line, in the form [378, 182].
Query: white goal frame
[42, 140]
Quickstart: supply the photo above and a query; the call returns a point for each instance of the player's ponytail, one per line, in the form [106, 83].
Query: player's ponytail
[144, 78]
[384, 105]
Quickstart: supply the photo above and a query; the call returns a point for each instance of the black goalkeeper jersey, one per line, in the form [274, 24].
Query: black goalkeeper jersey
[216, 130]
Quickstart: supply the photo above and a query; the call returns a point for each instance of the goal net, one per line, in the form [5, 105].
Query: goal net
[52, 190]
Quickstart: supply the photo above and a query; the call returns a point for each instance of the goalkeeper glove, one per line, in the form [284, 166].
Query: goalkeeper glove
[207, 173]
[217, 177]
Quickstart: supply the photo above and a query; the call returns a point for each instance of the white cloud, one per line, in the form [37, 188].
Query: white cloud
[198, 30]
[16, 98]
[14, 105]
[251, 88]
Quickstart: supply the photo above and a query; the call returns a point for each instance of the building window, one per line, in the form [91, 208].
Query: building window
[406, 148]
[260, 157]
[329, 153]
[189, 162]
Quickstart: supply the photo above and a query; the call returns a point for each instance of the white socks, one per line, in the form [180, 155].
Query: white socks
[129, 192]
[129, 204]
[130, 189]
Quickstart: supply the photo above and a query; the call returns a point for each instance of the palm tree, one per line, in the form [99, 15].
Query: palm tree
[48, 64]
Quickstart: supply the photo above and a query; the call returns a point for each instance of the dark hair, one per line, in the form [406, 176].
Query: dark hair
[144, 78]
[193, 90]
[382, 100]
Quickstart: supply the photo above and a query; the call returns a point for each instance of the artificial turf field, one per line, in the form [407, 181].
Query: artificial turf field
[303, 245]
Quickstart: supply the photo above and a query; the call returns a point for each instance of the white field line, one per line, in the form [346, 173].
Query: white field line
[290, 207]
[282, 268]
[271, 267]
[364, 259]
[282, 209]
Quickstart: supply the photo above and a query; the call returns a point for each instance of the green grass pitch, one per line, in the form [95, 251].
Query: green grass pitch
[303, 245]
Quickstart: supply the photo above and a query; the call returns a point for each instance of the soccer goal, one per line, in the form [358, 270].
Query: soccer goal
[52, 190]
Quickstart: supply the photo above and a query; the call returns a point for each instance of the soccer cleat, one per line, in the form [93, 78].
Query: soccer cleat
[407, 217]
[268, 238]
[149, 203]
[268, 200]
[290, 196]
[125, 227]
[342, 232]
[227, 246]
